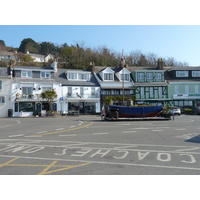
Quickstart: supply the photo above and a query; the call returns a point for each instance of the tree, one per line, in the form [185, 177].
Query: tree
[2, 43]
[30, 45]
[47, 48]
[27, 58]
[49, 96]
[133, 58]
[143, 61]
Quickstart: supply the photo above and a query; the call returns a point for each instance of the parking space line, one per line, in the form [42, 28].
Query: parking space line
[4, 164]
[50, 133]
[48, 167]
[69, 167]
[100, 133]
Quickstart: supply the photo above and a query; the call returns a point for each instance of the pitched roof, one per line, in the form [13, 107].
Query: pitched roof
[60, 77]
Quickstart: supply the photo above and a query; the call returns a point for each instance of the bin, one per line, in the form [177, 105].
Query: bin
[10, 112]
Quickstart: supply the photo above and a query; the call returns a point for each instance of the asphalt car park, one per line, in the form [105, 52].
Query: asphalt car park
[86, 145]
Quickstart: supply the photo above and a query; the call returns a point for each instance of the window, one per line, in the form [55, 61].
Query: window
[126, 77]
[149, 75]
[196, 89]
[71, 76]
[160, 93]
[142, 91]
[158, 76]
[151, 92]
[46, 88]
[83, 76]
[92, 91]
[108, 76]
[0, 85]
[69, 91]
[181, 73]
[78, 76]
[187, 89]
[140, 76]
[177, 89]
[81, 91]
[195, 73]
[27, 74]
[26, 106]
[2, 99]
[45, 75]
[27, 90]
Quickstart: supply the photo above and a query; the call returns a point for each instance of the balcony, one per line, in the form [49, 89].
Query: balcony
[82, 96]
[29, 97]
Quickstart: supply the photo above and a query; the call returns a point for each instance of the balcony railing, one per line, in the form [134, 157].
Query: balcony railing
[82, 96]
[29, 97]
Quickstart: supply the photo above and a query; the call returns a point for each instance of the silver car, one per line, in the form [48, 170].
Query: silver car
[175, 111]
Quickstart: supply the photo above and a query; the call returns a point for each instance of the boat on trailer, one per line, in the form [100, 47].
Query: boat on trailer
[115, 112]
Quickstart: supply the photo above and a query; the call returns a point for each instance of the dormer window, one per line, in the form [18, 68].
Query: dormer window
[108, 77]
[78, 76]
[125, 77]
[45, 75]
[71, 76]
[83, 76]
[27, 74]
[195, 73]
[182, 74]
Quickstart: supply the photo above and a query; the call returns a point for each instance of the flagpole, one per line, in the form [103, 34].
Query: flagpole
[123, 77]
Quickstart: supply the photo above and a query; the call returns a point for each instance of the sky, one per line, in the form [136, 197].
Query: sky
[182, 42]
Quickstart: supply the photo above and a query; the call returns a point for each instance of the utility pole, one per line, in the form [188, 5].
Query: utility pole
[122, 63]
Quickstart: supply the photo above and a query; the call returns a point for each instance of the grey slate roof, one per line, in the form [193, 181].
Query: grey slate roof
[60, 77]
[31, 80]
[33, 67]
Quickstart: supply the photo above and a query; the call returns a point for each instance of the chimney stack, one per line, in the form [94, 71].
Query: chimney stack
[54, 66]
[160, 64]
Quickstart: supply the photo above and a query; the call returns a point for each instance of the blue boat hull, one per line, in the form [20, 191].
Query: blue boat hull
[140, 111]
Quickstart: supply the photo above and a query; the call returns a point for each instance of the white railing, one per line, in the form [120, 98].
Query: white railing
[29, 97]
[82, 96]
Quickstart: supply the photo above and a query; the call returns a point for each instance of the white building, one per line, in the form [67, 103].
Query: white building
[114, 81]
[5, 91]
[28, 83]
[80, 91]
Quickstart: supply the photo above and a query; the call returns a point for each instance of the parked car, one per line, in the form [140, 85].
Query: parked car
[175, 111]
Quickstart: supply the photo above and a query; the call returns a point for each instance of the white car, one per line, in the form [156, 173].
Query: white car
[175, 111]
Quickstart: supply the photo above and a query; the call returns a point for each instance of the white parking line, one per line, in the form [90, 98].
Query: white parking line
[42, 132]
[100, 133]
[69, 135]
[5, 126]
[58, 129]
[129, 131]
[16, 135]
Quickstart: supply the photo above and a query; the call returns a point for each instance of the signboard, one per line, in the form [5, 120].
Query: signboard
[186, 96]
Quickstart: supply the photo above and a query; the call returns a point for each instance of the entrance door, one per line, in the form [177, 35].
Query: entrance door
[81, 107]
[45, 106]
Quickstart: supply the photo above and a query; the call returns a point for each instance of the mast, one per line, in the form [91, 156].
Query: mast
[122, 63]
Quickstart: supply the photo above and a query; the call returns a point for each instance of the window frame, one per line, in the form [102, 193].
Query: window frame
[195, 73]
[26, 74]
[45, 74]
[140, 76]
[108, 77]
[2, 100]
[182, 74]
